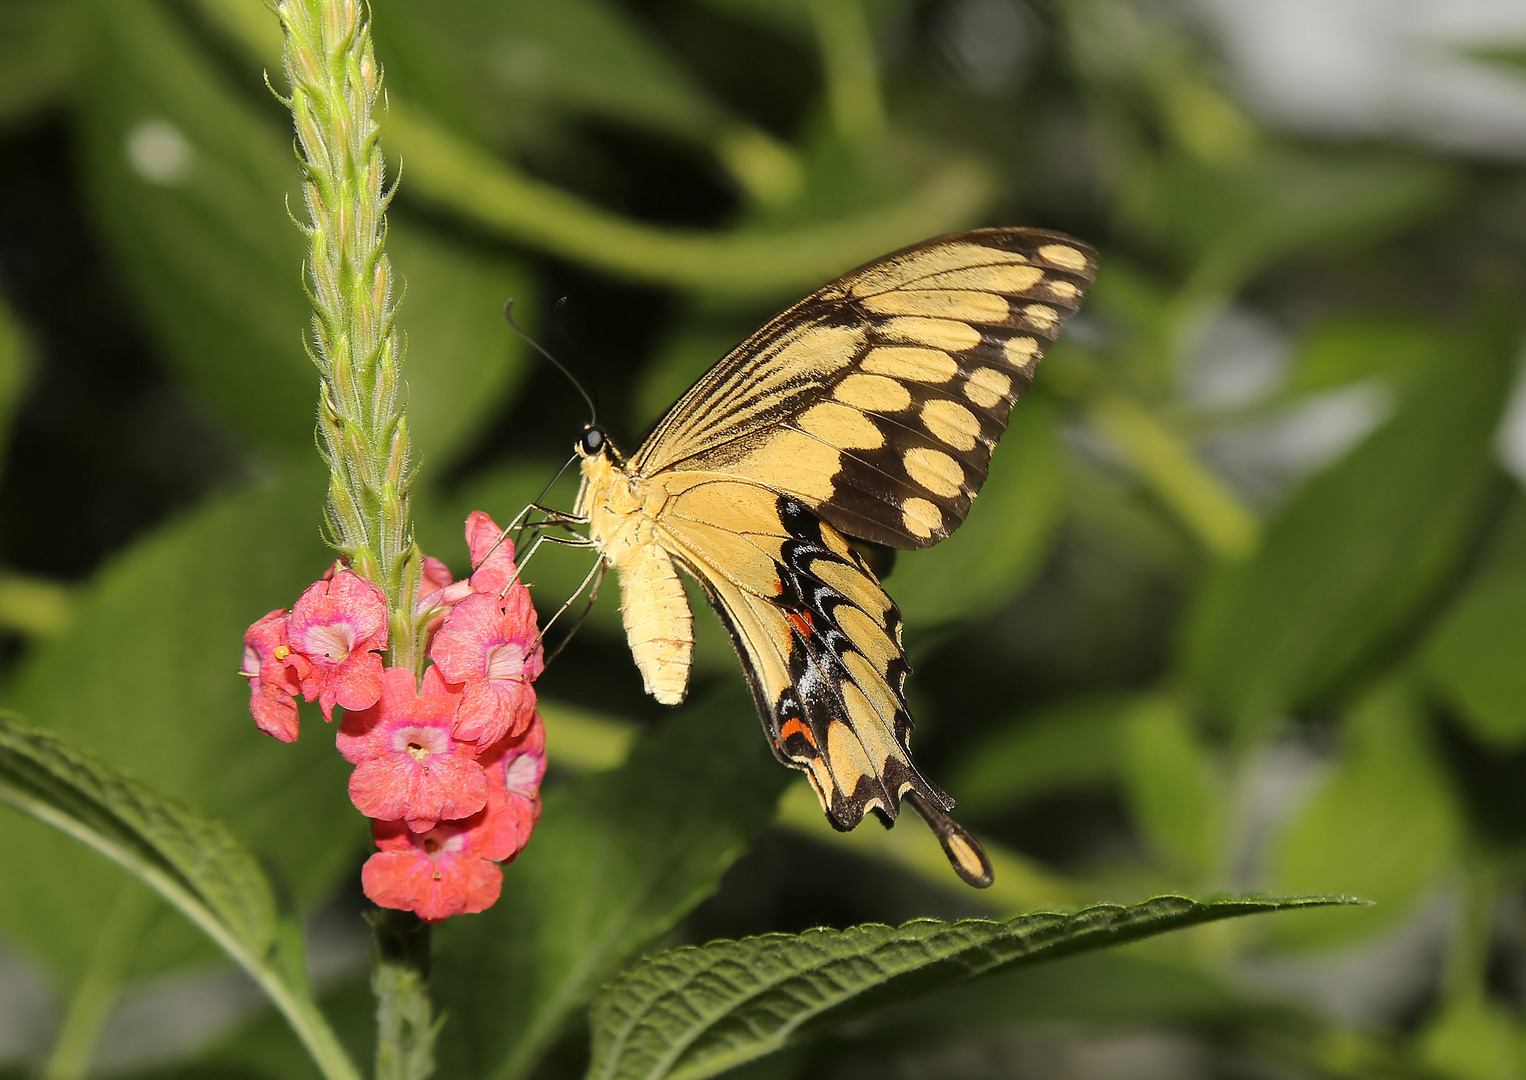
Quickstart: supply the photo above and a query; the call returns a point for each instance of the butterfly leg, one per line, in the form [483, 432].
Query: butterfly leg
[597, 573]
[544, 538]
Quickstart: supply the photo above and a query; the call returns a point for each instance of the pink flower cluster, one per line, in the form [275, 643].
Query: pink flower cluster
[449, 771]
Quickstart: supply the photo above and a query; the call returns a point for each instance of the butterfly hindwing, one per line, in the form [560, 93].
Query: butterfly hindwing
[877, 400]
[818, 635]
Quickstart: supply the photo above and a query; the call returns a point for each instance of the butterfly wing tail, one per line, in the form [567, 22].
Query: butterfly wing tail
[964, 852]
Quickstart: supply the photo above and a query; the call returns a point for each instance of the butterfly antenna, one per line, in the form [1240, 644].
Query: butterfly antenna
[593, 409]
[559, 320]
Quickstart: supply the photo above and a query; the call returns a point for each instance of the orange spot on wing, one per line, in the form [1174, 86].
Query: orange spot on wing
[801, 621]
[795, 726]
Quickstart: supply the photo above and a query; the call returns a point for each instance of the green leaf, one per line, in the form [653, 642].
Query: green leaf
[1172, 786]
[1073, 745]
[501, 67]
[39, 45]
[1233, 221]
[617, 859]
[1357, 552]
[1346, 349]
[1476, 657]
[1112, 987]
[1010, 530]
[193, 863]
[191, 860]
[1474, 654]
[191, 185]
[1384, 825]
[146, 679]
[695, 1012]
[1473, 1038]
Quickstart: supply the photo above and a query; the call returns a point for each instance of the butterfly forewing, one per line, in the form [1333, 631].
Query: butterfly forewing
[876, 401]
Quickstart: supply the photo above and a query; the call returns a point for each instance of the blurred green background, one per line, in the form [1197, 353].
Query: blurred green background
[1242, 607]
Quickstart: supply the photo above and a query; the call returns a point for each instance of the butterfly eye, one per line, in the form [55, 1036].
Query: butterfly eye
[591, 441]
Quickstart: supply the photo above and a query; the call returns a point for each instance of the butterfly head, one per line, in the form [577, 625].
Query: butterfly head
[594, 443]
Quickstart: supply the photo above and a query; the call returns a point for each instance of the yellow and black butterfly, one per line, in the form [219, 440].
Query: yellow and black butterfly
[867, 410]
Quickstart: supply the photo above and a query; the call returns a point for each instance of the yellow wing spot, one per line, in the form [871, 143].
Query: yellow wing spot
[793, 461]
[858, 587]
[1020, 350]
[872, 393]
[969, 860]
[921, 517]
[939, 333]
[846, 757]
[835, 541]
[1063, 255]
[866, 721]
[872, 682]
[987, 386]
[919, 365]
[934, 470]
[823, 348]
[868, 636]
[951, 422]
[842, 426]
[1065, 290]
[934, 260]
[965, 305]
[1003, 279]
[1041, 315]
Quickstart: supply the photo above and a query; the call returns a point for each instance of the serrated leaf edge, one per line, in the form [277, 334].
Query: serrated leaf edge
[1074, 937]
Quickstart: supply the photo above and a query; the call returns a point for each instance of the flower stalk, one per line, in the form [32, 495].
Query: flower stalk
[362, 430]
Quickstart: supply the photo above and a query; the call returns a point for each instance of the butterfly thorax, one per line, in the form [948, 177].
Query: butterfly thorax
[614, 501]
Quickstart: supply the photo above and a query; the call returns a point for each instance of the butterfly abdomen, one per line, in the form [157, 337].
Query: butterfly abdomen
[659, 624]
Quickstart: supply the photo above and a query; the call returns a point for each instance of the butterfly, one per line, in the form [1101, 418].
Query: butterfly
[865, 412]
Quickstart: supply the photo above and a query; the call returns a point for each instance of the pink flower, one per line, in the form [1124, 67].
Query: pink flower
[339, 624]
[514, 768]
[409, 766]
[275, 675]
[434, 578]
[493, 569]
[437, 591]
[491, 645]
[436, 874]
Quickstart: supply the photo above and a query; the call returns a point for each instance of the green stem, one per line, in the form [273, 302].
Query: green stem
[1464, 968]
[852, 76]
[1202, 502]
[363, 432]
[405, 1027]
[96, 995]
[15, 371]
[33, 606]
[458, 176]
